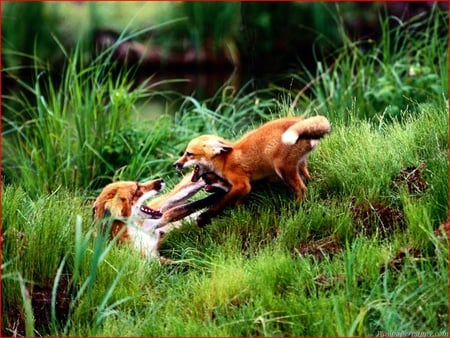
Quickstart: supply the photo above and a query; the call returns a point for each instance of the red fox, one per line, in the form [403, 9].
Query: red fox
[279, 147]
[145, 225]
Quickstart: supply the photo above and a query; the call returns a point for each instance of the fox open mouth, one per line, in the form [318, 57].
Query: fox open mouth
[196, 174]
[211, 188]
[152, 213]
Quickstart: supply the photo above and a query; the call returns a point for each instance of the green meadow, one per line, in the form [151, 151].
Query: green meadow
[366, 253]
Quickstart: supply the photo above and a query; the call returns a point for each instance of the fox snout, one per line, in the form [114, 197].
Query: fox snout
[178, 165]
[156, 184]
[159, 184]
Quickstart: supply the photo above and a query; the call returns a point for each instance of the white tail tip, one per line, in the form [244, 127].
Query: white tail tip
[289, 137]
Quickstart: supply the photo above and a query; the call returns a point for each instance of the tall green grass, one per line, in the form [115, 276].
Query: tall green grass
[407, 66]
[77, 129]
[268, 267]
[53, 242]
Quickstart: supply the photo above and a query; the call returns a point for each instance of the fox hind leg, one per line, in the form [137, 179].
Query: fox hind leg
[303, 169]
[291, 176]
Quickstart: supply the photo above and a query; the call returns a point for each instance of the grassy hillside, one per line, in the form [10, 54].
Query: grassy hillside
[365, 253]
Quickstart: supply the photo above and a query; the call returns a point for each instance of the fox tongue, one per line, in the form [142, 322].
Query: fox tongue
[152, 213]
[196, 174]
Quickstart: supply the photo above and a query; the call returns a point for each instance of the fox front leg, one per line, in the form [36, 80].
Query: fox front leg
[233, 196]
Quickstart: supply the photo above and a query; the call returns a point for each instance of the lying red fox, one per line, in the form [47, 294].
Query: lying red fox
[145, 225]
[279, 147]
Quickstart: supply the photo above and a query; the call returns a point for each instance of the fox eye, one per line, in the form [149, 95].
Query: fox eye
[188, 154]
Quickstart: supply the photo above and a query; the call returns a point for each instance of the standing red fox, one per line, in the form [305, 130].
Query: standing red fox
[279, 147]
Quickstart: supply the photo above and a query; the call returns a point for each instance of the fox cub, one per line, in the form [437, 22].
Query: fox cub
[279, 147]
[144, 225]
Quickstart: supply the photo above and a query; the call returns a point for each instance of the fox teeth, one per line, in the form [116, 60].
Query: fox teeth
[150, 212]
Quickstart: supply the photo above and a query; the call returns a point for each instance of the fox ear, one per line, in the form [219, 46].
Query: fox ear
[219, 147]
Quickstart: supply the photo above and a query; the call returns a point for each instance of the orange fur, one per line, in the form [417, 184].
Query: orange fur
[118, 198]
[279, 147]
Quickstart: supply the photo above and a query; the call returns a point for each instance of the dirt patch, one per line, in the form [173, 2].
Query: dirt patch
[15, 325]
[411, 178]
[443, 231]
[396, 264]
[41, 300]
[376, 217]
[319, 249]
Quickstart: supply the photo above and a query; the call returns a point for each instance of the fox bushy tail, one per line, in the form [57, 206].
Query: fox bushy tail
[311, 128]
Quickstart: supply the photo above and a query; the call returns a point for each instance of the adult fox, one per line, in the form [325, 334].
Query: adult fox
[279, 147]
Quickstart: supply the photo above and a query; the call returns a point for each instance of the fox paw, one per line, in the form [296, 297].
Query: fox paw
[152, 213]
